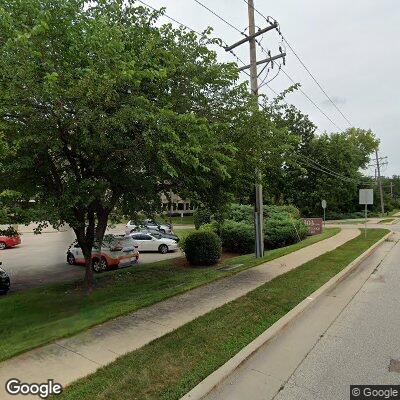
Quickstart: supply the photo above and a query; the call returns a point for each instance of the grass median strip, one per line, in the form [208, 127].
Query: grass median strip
[386, 221]
[169, 367]
[38, 316]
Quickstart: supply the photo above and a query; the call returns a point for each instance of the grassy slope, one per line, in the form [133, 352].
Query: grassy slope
[38, 316]
[386, 221]
[169, 367]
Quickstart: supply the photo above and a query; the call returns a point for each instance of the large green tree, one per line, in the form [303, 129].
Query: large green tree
[102, 108]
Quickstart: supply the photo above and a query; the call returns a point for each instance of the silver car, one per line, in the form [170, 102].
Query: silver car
[136, 226]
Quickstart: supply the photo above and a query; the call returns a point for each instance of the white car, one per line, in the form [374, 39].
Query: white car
[116, 252]
[136, 226]
[147, 242]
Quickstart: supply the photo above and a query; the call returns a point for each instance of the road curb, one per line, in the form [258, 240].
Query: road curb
[215, 378]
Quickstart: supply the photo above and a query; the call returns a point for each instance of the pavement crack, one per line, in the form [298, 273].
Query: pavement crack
[77, 353]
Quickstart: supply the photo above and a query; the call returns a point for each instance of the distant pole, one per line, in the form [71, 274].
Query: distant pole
[391, 189]
[258, 207]
[378, 166]
[366, 217]
[170, 206]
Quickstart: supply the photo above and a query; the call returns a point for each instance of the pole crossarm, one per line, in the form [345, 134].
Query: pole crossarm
[250, 37]
[266, 60]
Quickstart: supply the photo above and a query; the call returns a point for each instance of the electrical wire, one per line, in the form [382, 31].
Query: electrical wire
[267, 53]
[312, 101]
[194, 31]
[305, 67]
[326, 169]
[221, 18]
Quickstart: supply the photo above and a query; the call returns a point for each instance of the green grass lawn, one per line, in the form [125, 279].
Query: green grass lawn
[350, 221]
[177, 220]
[38, 316]
[386, 221]
[170, 366]
[182, 233]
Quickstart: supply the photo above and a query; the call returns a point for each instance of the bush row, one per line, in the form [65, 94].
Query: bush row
[282, 227]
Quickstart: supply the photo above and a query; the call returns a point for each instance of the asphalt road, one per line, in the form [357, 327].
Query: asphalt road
[41, 259]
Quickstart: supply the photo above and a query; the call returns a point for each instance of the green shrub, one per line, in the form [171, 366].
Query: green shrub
[241, 213]
[245, 213]
[281, 230]
[210, 227]
[270, 211]
[203, 248]
[201, 216]
[237, 237]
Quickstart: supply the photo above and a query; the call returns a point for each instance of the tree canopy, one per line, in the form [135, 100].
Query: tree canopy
[100, 107]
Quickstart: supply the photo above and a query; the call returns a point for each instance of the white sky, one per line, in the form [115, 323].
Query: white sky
[349, 45]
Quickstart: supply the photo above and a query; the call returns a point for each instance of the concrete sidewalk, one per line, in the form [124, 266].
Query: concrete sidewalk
[70, 359]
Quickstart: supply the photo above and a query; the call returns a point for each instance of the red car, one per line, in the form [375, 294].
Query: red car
[9, 241]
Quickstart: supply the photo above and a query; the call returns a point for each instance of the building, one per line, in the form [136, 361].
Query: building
[178, 206]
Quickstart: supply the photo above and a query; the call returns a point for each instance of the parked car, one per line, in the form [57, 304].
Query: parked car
[116, 252]
[148, 242]
[4, 281]
[135, 226]
[158, 234]
[9, 241]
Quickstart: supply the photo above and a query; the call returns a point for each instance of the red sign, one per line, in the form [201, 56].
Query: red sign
[314, 225]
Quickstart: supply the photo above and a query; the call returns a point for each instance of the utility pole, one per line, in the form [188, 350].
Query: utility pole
[378, 166]
[391, 189]
[251, 38]
[258, 207]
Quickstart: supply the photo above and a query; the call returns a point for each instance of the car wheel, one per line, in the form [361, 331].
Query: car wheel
[100, 265]
[163, 249]
[71, 259]
[2, 245]
[162, 230]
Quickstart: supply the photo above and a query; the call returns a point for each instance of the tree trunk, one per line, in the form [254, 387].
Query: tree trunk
[89, 281]
[86, 247]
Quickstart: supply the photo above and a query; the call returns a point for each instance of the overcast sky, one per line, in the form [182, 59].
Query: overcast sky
[350, 46]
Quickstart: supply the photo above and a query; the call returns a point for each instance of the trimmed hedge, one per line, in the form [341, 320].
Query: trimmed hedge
[237, 237]
[201, 216]
[282, 230]
[203, 248]
[245, 213]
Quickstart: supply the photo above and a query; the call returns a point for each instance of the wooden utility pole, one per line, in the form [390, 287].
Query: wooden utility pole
[378, 166]
[258, 206]
[251, 38]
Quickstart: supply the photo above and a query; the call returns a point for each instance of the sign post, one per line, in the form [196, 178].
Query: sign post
[366, 197]
[324, 204]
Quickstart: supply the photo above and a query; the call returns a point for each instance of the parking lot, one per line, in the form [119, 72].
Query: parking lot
[41, 259]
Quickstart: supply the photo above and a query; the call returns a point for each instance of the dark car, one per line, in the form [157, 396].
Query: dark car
[4, 281]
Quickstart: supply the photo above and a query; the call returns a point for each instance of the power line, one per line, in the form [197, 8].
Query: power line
[192, 30]
[318, 84]
[266, 52]
[221, 18]
[327, 169]
[328, 172]
[312, 101]
[306, 68]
